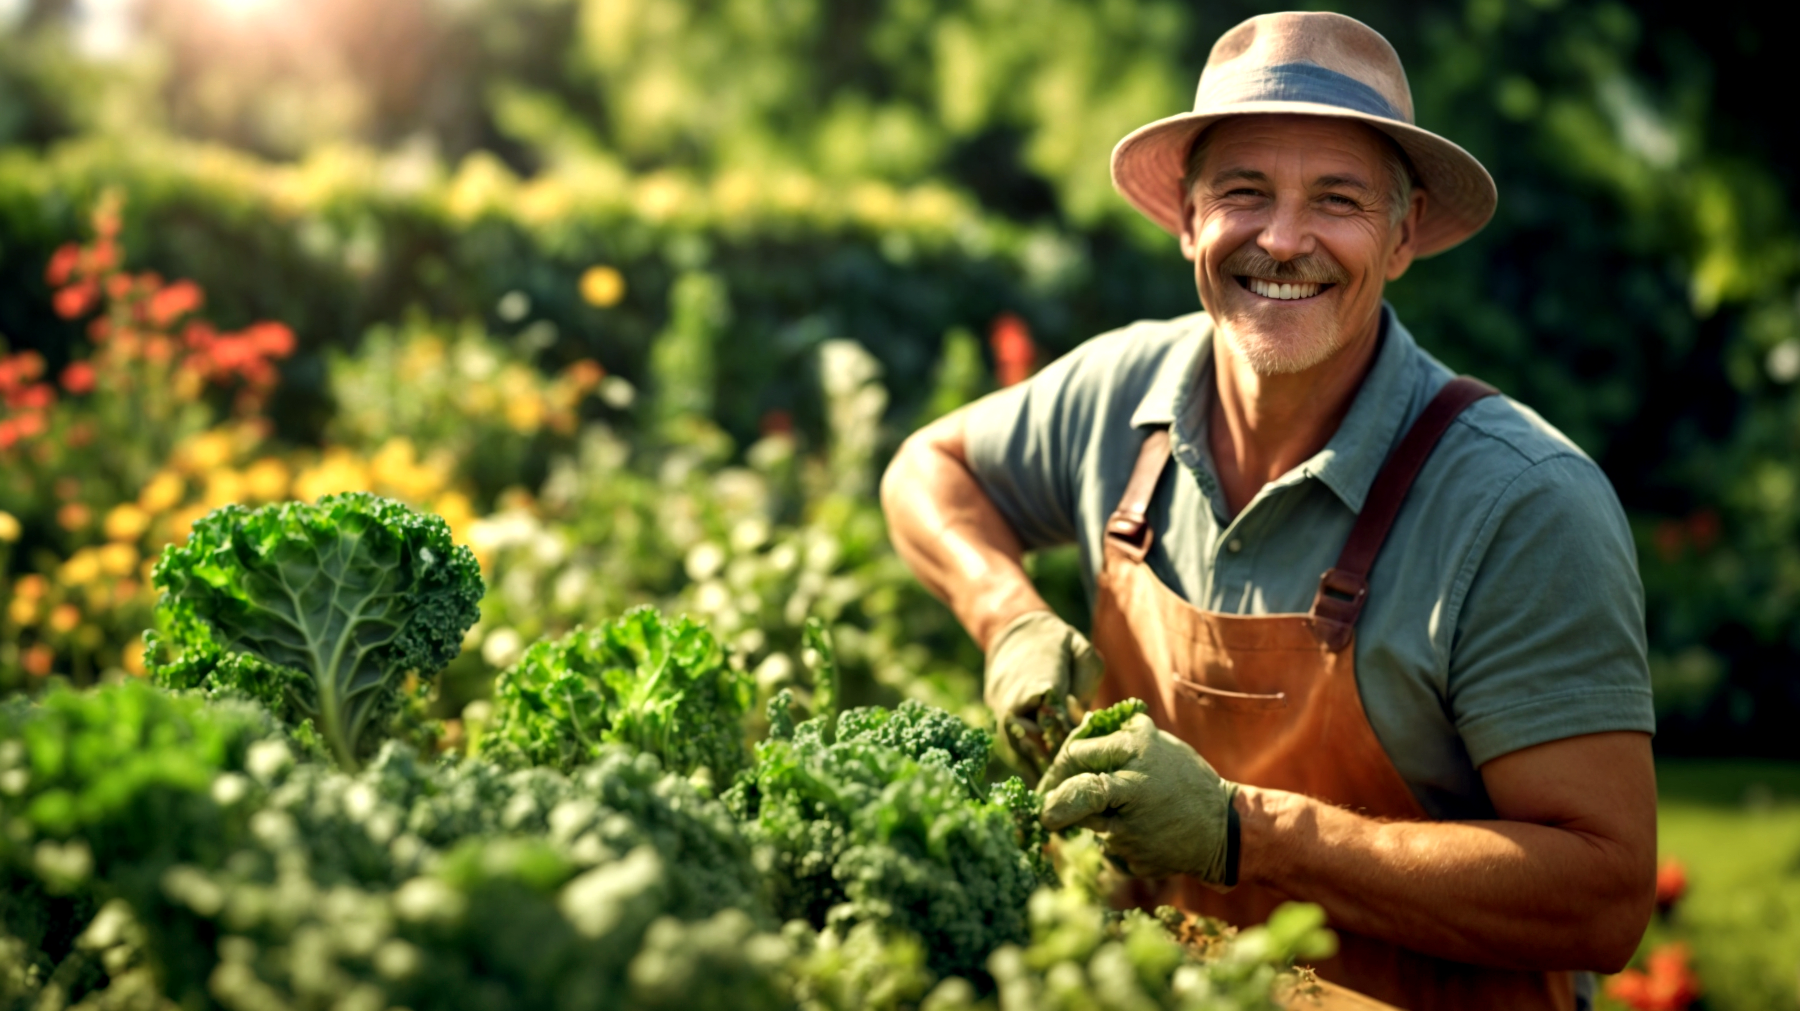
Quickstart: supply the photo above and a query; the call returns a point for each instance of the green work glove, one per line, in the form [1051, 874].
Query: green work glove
[1037, 660]
[1154, 802]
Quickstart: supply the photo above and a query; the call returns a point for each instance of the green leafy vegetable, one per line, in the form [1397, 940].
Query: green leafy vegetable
[319, 611]
[658, 685]
[889, 823]
[1110, 720]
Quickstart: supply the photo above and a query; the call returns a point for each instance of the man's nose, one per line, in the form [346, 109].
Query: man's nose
[1285, 236]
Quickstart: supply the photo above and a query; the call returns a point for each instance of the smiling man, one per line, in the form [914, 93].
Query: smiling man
[1443, 740]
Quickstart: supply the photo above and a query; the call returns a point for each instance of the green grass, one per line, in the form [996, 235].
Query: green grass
[1736, 827]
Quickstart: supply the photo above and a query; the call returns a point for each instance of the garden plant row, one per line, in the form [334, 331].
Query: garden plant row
[275, 823]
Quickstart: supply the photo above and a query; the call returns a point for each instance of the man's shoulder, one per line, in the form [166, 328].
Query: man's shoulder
[1136, 351]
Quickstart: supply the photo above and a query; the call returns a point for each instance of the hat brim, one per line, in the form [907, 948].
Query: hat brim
[1148, 166]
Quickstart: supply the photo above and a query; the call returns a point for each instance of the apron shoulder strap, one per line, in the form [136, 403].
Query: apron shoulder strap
[1345, 587]
[1127, 521]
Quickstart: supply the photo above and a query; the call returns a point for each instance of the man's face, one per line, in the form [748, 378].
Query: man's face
[1292, 239]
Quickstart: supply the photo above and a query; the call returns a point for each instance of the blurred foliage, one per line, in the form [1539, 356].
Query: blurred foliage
[733, 183]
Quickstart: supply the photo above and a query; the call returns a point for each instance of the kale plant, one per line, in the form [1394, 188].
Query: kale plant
[879, 816]
[1110, 720]
[660, 686]
[318, 611]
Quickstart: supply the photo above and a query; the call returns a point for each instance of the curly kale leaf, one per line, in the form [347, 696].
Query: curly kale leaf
[887, 825]
[319, 611]
[658, 685]
[925, 733]
[1101, 722]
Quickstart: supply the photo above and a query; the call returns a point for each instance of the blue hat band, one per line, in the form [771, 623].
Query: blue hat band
[1299, 82]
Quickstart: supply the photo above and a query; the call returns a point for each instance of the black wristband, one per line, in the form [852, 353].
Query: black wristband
[1232, 844]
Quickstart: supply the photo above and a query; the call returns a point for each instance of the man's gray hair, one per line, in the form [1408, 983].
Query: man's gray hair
[1402, 179]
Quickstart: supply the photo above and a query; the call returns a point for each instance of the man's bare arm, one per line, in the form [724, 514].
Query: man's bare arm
[945, 528]
[1565, 881]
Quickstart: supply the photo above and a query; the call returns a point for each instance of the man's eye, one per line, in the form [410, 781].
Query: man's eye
[1340, 200]
[1244, 192]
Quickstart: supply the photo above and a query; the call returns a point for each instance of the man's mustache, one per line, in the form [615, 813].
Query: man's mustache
[1249, 260]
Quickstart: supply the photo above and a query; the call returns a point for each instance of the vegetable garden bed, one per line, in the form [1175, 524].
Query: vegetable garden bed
[274, 826]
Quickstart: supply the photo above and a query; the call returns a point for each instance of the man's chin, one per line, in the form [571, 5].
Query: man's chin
[1286, 348]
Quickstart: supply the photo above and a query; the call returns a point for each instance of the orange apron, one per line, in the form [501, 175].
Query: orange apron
[1271, 700]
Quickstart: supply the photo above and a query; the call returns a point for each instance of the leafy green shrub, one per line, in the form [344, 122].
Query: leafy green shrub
[319, 611]
[658, 685]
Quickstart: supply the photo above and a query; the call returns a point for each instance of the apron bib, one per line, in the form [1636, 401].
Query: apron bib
[1271, 701]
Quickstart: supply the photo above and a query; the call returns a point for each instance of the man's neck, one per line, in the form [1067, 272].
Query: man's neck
[1261, 427]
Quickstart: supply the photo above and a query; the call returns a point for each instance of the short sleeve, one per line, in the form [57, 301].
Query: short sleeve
[1549, 640]
[1020, 444]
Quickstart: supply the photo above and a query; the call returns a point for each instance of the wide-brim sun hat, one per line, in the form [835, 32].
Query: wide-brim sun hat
[1310, 64]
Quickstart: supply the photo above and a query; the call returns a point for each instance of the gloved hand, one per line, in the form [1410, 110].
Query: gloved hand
[1036, 659]
[1155, 803]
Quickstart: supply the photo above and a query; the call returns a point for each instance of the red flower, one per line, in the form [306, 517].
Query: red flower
[9, 433]
[1666, 985]
[99, 329]
[118, 287]
[776, 421]
[1015, 356]
[272, 339]
[29, 425]
[1670, 539]
[103, 255]
[1703, 528]
[175, 301]
[78, 378]
[62, 264]
[1671, 884]
[75, 300]
[35, 397]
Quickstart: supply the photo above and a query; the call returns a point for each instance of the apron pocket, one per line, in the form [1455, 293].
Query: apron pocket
[1237, 702]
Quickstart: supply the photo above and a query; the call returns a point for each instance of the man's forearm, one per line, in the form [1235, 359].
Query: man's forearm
[945, 528]
[1503, 893]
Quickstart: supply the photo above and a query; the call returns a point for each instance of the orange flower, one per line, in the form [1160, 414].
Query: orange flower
[30, 365]
[585, 374]
[1667, 984]
[1671, 884]
[74, 516]
[75, 300]
[272, 339]
[78, 378]
[1015, 355]
[38, 660]
[175, 301]
[64, 618]
[118, 287]
[62, 264]
[32, 586]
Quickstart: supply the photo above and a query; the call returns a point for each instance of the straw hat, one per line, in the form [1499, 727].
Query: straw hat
[1314, 64]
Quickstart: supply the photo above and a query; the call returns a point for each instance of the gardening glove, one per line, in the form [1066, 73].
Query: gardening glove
[1155, 803]
[1033, 666]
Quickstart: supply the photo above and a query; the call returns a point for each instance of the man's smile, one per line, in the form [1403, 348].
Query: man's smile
[1280, 290]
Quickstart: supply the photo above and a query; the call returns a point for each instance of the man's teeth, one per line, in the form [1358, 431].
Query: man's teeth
[1273, 289]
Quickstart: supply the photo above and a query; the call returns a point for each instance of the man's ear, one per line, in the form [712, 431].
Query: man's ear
[1190, 240]
[1407, 232]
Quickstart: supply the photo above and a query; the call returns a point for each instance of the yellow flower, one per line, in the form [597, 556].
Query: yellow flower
[525, 413]
[82, 568]
[22, 611]
[205, 451]
[457, 511]
[267, 479]
[64, 618]
[126, 522]
[337, 470]
[224, 487]
[9, 527]
[132, 657]
[118, 559]
[163, 492]
[181, 523]
[602, 286]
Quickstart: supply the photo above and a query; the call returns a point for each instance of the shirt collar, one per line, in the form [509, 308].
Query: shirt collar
[1354, 455]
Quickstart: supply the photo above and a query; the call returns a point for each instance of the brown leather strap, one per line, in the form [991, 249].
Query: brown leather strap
[1127, 520]
[1344, 588]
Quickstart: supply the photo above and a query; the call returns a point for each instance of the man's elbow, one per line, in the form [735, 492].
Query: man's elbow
[1623, 913]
